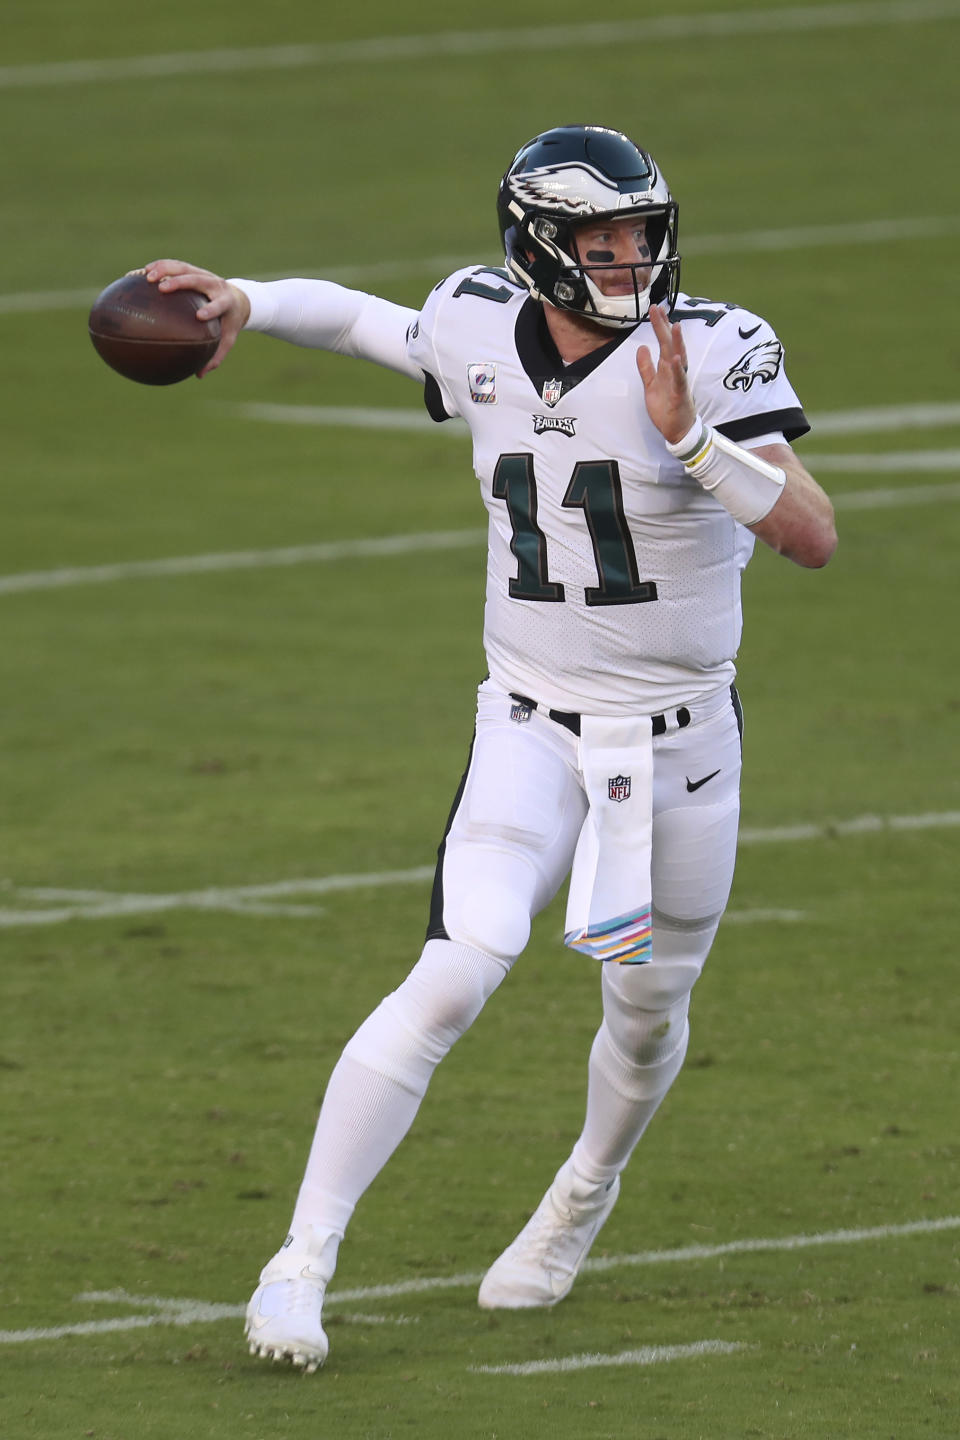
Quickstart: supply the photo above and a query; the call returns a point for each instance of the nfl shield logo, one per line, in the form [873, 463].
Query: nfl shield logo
[552, 391]
[618, 788]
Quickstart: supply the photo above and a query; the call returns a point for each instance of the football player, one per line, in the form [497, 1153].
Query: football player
[631, 441]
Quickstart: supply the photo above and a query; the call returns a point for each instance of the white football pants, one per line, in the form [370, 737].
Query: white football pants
[509, 847]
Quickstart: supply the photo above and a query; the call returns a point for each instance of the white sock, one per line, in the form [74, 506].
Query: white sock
[364, 1117]
[623, 1095]
[382, 1076]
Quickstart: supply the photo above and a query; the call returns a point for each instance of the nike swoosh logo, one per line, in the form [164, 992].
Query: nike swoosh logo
[745, 334]
[695, 784]
[308, 1273]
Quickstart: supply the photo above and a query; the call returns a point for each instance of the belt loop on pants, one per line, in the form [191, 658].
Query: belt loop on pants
[570, 720]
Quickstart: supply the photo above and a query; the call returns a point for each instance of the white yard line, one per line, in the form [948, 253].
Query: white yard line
[891, 462]
[907, 496]
[867, 420]
[402, 49]
[323, 553]
[34, 906]
[646, 1355]
[860, 825]
[797, 237]
[864, 421]
[128, 905]
[27, 581]
[199, 1312]
[351, 417]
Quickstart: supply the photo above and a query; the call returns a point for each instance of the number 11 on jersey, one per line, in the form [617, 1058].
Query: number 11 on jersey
[595, 489]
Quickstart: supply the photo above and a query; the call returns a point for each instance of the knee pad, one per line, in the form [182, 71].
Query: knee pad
[643, 1055]
[488, 900]
[447, 988]
[666, 980]
[645, 1014]
[694, 852]
[412, 1029]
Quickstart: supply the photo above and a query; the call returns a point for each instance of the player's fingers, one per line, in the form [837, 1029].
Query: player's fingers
[645, 366]
[172, 275]
[680, 348]
[219, 296]
[670, 337]
[157, 269]
[229, 303]
[222, 351]
[201, 280]
[661, 326]
[219, 300]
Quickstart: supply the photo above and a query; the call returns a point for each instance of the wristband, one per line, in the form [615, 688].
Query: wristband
[745, 485]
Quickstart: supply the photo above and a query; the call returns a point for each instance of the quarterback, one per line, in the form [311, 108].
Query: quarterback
[630, 441]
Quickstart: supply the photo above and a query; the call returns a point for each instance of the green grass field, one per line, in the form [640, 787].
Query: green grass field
[192, 759]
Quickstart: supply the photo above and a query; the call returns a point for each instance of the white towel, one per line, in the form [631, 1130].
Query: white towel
[609, 903]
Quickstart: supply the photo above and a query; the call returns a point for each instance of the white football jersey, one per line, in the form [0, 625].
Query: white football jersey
[613, 580]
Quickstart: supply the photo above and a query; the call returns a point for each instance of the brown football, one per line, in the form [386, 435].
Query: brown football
[151, 335]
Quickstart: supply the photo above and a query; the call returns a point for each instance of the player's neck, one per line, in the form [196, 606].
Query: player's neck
[575, 335]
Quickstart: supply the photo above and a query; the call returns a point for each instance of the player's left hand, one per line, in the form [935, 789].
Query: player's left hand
[665, 385]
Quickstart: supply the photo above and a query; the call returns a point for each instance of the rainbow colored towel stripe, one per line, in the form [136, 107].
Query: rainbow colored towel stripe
[626, 940]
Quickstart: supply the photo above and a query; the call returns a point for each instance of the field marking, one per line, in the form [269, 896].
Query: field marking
[901, 495]
[163, 1312]
[866, 420]
[871, 418]
[385, 546]
[322, 553]
[351, 417]
[902, 462]
[260, 899]
[646, 1355]
[796, 237]
[358, 417]
[116, 907]
[242, 899]
[98, 905]
[200, 1312]
[859, 825]
[403, 49]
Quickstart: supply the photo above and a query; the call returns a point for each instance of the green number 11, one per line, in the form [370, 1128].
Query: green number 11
[596, 490]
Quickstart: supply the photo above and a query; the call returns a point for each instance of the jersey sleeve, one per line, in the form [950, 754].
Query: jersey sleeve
[424, 350]
[737, 374]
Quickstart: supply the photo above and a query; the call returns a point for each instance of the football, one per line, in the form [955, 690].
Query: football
[149, 335]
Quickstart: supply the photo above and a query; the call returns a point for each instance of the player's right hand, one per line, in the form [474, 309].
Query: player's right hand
[666, 388]
[224, 301]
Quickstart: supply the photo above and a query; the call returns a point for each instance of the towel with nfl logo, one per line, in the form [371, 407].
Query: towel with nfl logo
[609, 904]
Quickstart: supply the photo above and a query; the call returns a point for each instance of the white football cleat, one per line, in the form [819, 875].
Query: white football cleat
[284, 1315]
[540, 1266]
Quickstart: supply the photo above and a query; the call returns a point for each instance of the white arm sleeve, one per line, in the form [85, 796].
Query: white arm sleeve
[324, 316]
